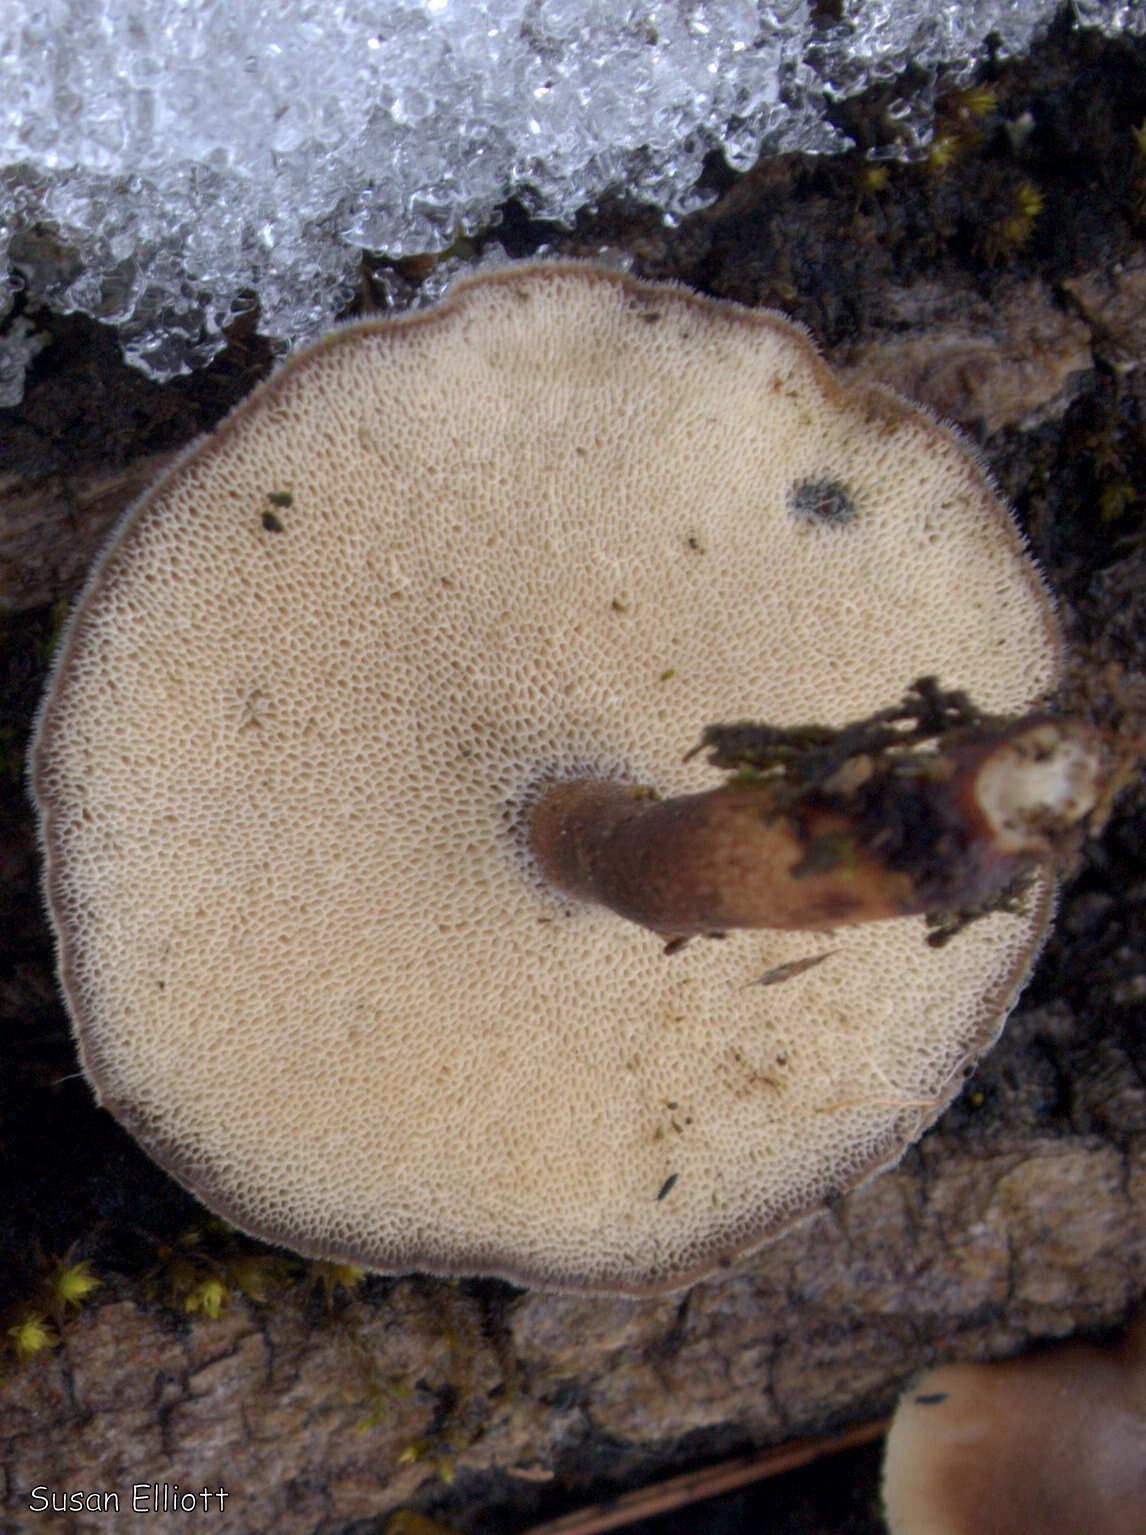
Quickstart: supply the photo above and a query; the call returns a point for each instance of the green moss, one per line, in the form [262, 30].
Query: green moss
[32, 1334]
[36, 1323]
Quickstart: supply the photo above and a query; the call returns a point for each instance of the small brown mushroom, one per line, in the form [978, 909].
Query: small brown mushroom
[1050, 1444]
[321, 957]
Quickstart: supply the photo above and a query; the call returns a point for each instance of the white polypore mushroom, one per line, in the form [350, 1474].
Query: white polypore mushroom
[319, 684]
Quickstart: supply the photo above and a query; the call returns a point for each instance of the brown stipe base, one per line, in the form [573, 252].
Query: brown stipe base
[929, 808]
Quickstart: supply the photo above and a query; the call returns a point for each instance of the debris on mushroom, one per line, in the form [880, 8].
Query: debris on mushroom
[1050, 1444]
[823, 827]
[304, 726]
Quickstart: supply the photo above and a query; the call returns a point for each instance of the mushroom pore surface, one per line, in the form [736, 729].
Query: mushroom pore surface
[549, 529]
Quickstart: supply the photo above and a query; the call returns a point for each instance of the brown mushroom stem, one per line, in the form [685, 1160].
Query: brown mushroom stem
[888, 834]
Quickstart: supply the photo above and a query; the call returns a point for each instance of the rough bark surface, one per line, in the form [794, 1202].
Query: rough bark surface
[312, 1422]
[321, 1403]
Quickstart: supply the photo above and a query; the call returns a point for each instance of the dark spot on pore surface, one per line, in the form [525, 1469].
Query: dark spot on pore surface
[822, 500]
[272, 523]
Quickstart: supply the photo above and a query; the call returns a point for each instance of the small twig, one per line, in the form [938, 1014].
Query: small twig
[695, 1486]
[794, 967]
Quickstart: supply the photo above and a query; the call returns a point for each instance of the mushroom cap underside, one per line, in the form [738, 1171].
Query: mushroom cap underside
[551, 528]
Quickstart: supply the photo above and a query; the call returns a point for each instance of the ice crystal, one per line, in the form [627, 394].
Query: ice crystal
[157, 161]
